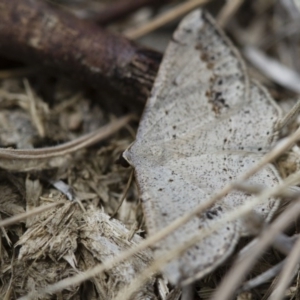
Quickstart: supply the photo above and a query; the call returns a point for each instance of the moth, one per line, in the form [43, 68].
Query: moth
[205, 123]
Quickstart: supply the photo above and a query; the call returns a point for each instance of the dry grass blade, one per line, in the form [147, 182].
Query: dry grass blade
[290, 116]
[281, 148]
[284, 243]
[25, 160]
[273, 69]
[36, 118]
[167, 17]
[287, 273]
[32, 212]
[242, 265]
[68, 147]
[262, 278]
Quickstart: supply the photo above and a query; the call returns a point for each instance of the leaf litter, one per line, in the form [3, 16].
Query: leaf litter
[66, 240]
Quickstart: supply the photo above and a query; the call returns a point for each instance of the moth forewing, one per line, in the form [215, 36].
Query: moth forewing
[204, 125]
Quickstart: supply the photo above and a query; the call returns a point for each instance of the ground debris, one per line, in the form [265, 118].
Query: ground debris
[73, 237]
[62, 242]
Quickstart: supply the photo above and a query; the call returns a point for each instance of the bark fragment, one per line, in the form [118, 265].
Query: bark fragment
[34, 32]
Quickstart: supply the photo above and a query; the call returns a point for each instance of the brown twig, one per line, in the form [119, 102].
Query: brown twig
[122, 8]
[35, 32]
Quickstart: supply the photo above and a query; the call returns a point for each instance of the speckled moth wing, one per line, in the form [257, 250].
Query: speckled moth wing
[203, 126]
[201, 78]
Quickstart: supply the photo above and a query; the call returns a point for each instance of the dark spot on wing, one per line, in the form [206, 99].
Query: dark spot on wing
[217, 101]
[187, 30]
[212, 213]
[204, 56]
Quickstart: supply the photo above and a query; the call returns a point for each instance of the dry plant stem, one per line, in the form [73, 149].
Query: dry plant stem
[273, 69]
[77, 279]
[5, 235]
[246, 262]
[30, 213]
[165, 18]
[68, 147]
[262, 278]
[37, 33]
[175, 294]
[284, 243]
[238, 213]
[256, 189]
[9, 289]
[188, 292]
[290, 116]
[287, 273]
[228, 10]
[35, 117]
[124, 193]
[122, 8]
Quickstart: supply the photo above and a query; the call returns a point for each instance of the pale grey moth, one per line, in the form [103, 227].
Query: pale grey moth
[204, 125]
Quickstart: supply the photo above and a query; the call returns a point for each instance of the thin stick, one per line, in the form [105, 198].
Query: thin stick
[163, 19]
[124, 194]
[273, 69]
[289, 117]
[256, 189]
[35, 117]
[262, 278]
[77, 279]
[288, 272]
